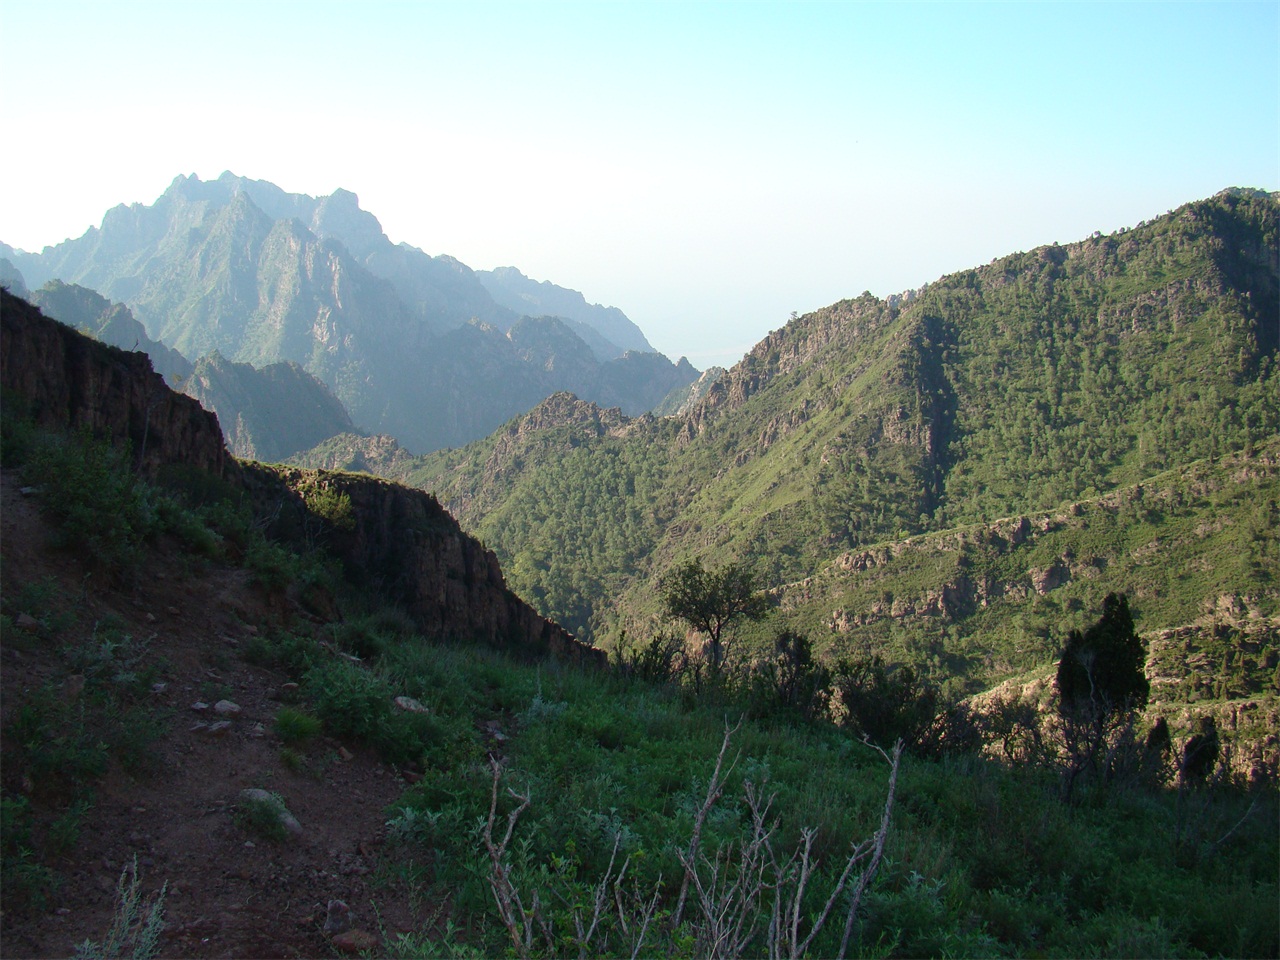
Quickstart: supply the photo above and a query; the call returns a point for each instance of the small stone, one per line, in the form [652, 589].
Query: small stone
[257, 731]
[159, 687]
[63, 911]
[29, 491]
[355, 941]
[173, 611]
[27, 622]
[227, 708]
[218, 729]
[251, 630]
[410, 705]
[151, 617]
[249, 844]
[199, 706]
[337, 917]
[346, 755]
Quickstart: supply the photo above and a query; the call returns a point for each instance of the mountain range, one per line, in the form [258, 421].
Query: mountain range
[952, 479]
[412, 345]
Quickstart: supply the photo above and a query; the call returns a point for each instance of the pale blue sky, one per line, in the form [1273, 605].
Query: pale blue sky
[707, 168]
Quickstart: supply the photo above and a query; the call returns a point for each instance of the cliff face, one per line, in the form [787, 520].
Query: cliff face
[404, 544]
[390, 538]
[69, 380]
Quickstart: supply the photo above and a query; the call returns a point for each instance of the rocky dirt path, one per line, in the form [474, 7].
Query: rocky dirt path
[231, 893]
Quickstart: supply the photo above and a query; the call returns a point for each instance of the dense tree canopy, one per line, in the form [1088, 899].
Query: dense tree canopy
[712, 601]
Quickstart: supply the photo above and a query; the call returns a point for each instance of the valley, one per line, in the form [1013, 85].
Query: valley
[443, 618]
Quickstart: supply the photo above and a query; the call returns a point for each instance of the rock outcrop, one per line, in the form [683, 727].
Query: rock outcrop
[398, 541]
[403, 543]
[68, 380]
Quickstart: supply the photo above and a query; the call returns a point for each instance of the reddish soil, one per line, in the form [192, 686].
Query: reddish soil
[230, 893]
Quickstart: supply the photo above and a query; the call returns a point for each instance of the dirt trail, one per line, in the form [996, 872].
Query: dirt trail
[230, 893]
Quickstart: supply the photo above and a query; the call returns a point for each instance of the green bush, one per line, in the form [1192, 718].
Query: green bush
[262, 817]
[272, 565]
[333, 506]
[18, 434]
[27, 883]
[351, 701]
[90, 492]
[290, 652]
[296, 726]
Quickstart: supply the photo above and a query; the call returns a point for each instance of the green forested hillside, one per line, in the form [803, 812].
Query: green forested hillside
[1043, 379]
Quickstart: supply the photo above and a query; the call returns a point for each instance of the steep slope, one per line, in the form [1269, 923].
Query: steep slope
[267, 413]
[1040, 380]
[412, 345]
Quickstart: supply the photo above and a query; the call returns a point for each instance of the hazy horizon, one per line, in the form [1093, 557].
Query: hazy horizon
[706, 168]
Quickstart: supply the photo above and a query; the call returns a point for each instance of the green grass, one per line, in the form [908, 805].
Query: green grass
[983, 858]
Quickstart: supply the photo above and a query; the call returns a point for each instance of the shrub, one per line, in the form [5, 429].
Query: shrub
[296, 726]
[350, 700]
[262, 816]
[273, 566]
[18, 435]
[884, 704]
[26, 882]
[89, 490]
[292, 653]
[135, 931]
[331, 505]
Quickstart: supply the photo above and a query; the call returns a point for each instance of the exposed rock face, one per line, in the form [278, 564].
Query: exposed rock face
[400, 541]
[404, 543]
[71, 381]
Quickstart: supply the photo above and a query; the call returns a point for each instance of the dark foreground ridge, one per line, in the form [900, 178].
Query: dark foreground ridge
[397, 540]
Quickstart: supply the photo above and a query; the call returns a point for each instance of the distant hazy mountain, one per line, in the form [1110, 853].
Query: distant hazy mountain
[512, 289]
[270, 413]
[95, 315]
[413, 346]
[11, 278]
[266, 414]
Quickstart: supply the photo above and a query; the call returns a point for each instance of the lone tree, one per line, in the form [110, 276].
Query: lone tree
[1101, 682]
[712, 601]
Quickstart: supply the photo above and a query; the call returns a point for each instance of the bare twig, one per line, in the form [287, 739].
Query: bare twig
[869, 871]
[515, 917]
[715, 787]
